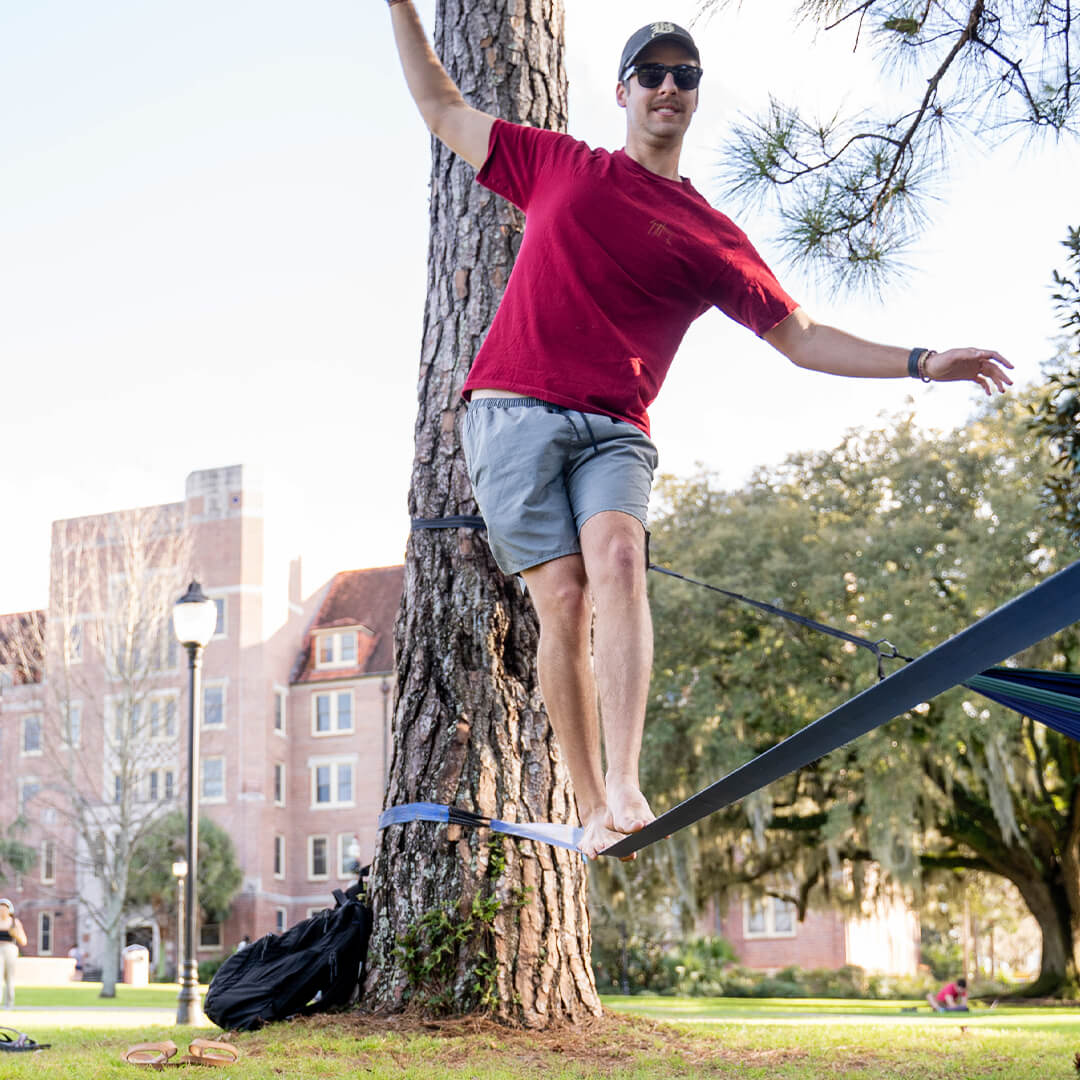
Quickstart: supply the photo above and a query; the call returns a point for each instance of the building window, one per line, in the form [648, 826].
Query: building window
[48, 862]
[210, 936]
[213, 779]
[336, 650]
[162, 711]
[169, 785]
[280, 917]
[44, 934]
[318, 868]
[75, 643]
[72, 735]
[27, 788]
[348, 852]
[768, 917]
[221, 625]
[333, 713]
[279, 784]
[7, 676]
[332, 783]
[213, 705]
[118, 788]
[279, 856]
[31, 735]
[279, 711]
[154, 786]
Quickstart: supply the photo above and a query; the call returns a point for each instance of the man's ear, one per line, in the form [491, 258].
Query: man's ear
[620, 94]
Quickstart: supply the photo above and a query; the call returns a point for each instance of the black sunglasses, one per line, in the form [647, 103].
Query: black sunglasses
[650, 76]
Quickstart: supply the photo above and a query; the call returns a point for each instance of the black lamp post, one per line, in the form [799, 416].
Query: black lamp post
[194, 619]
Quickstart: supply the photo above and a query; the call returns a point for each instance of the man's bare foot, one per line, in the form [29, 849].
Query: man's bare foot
[628, 809]
[599, 835]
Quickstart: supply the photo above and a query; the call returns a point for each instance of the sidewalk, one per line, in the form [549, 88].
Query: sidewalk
[149, 1017]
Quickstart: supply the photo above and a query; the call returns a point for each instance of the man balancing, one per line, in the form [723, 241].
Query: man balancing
[620, 255]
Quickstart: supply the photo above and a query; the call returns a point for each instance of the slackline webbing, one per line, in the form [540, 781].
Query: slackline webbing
[465, 521]
[564, 836]
[1051, 697]
[1046, 609]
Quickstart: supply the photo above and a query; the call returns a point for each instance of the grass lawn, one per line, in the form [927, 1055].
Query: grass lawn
[666, 1038]
[77, 995]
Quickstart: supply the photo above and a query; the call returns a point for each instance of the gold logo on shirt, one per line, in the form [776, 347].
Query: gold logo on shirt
[662, 28]
[660, 230]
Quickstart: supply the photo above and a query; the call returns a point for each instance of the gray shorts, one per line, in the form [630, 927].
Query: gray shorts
[540, 471]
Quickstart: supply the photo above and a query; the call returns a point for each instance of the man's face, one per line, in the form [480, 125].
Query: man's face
[664, 113]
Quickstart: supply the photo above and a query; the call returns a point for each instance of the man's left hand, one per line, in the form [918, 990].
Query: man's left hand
[982, 366]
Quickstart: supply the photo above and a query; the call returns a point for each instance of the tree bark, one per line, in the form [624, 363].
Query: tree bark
[469, 725]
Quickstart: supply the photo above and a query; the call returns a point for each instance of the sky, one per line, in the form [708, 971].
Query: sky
[213, 242]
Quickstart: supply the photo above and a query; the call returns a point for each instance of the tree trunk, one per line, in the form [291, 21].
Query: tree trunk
[464, 921]
[1058, 964]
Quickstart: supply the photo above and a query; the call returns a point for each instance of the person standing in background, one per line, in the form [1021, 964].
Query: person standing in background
[12, 937]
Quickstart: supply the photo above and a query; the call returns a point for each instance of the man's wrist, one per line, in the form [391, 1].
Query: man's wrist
[916, 363]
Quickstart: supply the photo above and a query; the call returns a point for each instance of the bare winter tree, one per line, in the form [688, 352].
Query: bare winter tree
[464, 922]
[107, 734]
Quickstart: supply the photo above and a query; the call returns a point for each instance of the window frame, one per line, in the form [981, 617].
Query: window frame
[212, 799]
[280, 791]
[311, 875]
[281, 711]
[203, 927]
[280, 866]
[223, 686]
[336, 638]
[334, 802]
[770, 932]
[281, 920]
[334, 728]
[45, 933]
[48, 861]
[36, 716]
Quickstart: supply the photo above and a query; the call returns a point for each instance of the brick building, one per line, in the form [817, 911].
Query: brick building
[294, 735]
[766, 935]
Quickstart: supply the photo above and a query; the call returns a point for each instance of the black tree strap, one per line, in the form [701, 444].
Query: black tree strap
[461, 521]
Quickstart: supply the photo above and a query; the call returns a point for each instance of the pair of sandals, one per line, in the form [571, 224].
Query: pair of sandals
[157, 1055]
[18, 1041]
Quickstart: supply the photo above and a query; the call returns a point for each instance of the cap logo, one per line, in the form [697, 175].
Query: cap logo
[662, 28]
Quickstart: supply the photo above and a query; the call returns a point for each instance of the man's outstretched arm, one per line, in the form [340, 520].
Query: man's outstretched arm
[463, 129]
[817, 347]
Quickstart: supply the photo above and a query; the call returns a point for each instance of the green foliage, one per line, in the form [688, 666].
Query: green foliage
[151, 881]
[896, 534]
[852, 191]
[1056, 413]
[15, 856]
[209, 968]
[448, 956]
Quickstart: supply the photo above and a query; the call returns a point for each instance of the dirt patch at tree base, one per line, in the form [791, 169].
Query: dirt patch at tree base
[600, 1045]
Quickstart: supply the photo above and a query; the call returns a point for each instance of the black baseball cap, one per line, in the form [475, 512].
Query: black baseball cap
[657, 31]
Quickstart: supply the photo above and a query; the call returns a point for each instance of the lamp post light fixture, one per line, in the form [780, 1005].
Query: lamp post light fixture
[194, 619]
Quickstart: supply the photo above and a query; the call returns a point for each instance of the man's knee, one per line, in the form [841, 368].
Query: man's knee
[560, 594]
[615, 552]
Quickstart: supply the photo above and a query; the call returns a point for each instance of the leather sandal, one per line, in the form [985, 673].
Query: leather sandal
[209, 1052]
[156, 1055]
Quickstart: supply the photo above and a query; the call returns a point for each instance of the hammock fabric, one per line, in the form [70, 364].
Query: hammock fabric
[1051, 697]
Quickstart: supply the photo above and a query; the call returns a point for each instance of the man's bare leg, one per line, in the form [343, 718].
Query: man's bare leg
[560, 594]
[613, 550]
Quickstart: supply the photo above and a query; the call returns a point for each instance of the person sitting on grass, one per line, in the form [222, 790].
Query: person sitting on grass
[952, 997]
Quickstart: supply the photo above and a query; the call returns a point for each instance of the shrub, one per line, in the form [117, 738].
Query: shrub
[208, 969]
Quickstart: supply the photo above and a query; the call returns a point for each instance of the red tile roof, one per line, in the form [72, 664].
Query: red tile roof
[357, 598]
[21, 636]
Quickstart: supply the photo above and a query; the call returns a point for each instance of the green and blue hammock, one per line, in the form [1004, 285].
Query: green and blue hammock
[971, 658]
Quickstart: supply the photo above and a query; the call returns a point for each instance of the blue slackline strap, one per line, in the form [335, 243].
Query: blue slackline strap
[564, 836]
[1046, 609]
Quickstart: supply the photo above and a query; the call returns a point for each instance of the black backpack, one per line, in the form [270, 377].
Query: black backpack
[280, 975]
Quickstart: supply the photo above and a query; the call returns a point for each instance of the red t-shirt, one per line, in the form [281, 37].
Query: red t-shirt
[615, 264]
